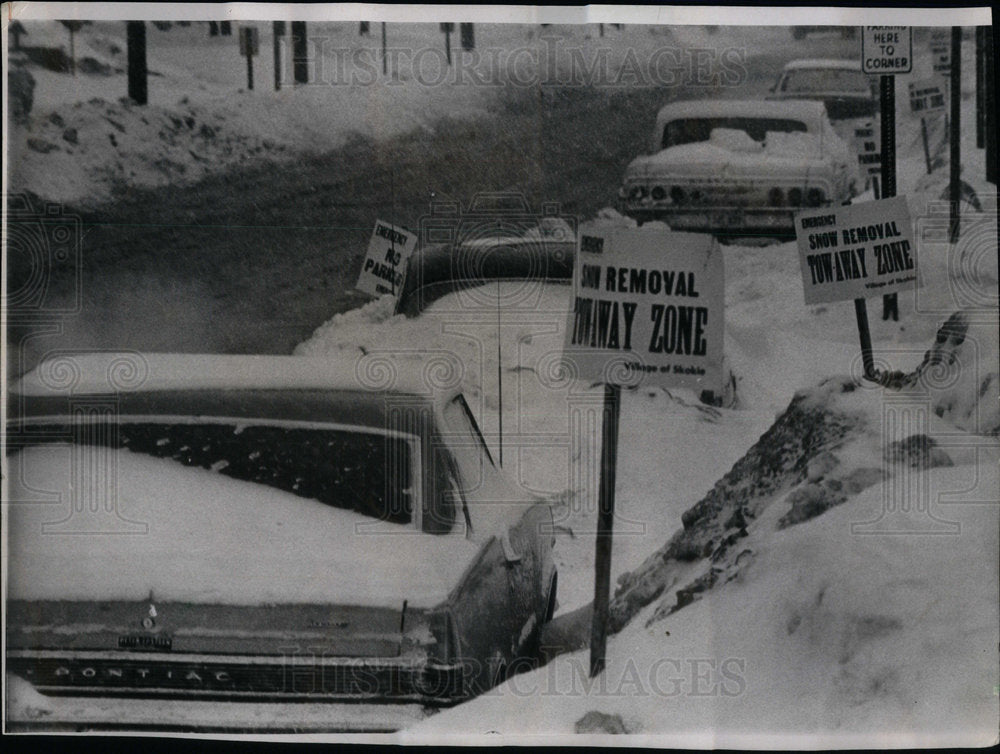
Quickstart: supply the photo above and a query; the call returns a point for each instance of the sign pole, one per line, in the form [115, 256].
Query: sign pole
[955, 187]
[278, 31]
[605, 522]
[385, 60]
[927, 149]
[249, 67]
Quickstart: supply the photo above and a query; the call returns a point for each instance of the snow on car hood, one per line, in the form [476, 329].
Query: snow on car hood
[189, 534]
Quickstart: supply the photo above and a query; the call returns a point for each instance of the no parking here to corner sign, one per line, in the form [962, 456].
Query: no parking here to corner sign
[648, 308]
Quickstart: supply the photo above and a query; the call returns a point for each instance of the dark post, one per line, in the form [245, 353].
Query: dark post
[278, 33]
[213, 28]
[980, 94]
[300, 53]
[883, 190]
[865, 335]
[249, 67]
[955, 183]
[927, 149]
[605, 521]
[468, 36]
[16, 29]
[990, 106]
[447, 28]
[135, 32]
[887, 102]
[226, 28]
[385, 60]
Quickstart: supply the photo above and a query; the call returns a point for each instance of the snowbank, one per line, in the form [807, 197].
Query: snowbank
[834, 585]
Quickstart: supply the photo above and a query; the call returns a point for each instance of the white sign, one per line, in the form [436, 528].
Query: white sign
[928, 96]
[648, 307]
[856, 251]
[385, 263]
[866, 145]
[886, 49]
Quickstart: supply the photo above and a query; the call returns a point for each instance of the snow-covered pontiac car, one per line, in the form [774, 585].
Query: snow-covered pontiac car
[260, 528]
[739, 167]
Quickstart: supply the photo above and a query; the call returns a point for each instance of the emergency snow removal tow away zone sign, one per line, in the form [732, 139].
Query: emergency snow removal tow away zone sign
[856, 251]
[647, 308]
[385, 261]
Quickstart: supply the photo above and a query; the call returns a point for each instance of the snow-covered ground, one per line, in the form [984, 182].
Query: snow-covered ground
[874, 622]
[830, 624]
[84, 141]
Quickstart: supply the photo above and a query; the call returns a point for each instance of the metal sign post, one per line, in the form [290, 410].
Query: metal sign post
[955, 183]
[249, 46]
[648, 308]
[278, 33]
[605, 525]
[885, 50]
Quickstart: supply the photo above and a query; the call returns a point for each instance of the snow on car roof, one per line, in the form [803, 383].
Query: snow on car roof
[811, 112]
[848, 63]
[130, 371]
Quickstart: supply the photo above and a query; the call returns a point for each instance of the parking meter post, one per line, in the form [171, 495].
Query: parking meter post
[605, 521]
[955, 182]
[865, 335]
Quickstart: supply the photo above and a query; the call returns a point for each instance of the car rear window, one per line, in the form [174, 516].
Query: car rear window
[825, 80]
[365, 471]
[692, 130]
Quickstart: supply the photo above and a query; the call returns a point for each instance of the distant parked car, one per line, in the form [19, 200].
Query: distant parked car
[841, 85]
[739, 167]
[498, 237]
[847, 32]
[262, 528]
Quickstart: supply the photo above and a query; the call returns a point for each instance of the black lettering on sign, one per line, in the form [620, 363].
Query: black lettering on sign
[592, 244]
[678, 329]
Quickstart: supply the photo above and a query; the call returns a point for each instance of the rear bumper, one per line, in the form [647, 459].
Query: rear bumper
[29, 711]
[719, 219]
[236, 678]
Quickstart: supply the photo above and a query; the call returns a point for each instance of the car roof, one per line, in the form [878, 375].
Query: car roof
[103, 373]
[848, 63]
[807, 110]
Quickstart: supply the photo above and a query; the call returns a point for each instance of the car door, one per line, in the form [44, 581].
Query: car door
[497, 605]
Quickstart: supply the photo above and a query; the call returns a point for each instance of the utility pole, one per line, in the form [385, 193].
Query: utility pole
[300, 53]
[137, 71]
[279, 33]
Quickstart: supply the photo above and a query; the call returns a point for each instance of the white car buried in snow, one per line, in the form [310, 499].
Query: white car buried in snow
[260, 529]
[739, 168]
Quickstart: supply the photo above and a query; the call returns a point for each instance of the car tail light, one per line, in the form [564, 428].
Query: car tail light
[775, 197]
[815, 197]
[677, 194]
[658, 193]
[795, 197]
[636, 192]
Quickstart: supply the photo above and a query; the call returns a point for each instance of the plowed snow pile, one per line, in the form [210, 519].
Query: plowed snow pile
[839, 581]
